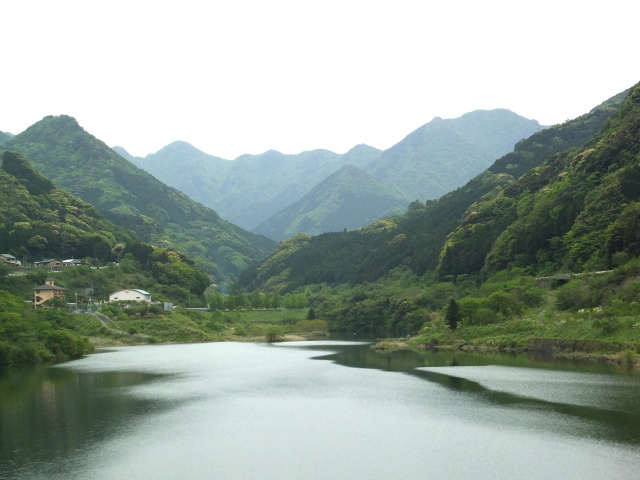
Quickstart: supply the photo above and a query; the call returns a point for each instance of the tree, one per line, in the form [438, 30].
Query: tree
[453, 315]
[256, 300]
[230, 303]
[217, 301]
[275, 301]
[311, 314]
[4, 270]
[273, 333]
[117, 251]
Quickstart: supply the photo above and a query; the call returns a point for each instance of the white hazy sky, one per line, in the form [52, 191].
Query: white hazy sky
[244, 76]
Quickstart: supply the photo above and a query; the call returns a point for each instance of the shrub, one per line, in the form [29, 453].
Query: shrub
[484, 316]
[575, 295]
[273, 334]
[628, 357]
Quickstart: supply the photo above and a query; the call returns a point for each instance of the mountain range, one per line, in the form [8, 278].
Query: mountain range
[258, 192]
[83, 165]
[41, 221]
[348, 199]
[564, 198]
[251, 188]
[350, 192]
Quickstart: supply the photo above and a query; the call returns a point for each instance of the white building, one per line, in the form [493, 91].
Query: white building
[135, 295]
[71, 262]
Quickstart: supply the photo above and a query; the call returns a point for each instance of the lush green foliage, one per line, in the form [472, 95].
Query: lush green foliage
[452, 234]
[131, 198]
[29, 336]
[38, 220]
[509, 310]
[576, 212]
[346, 200]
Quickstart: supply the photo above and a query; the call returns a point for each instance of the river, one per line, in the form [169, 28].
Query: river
[317, 410]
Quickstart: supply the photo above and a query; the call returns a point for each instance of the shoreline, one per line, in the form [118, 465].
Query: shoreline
[621, 358]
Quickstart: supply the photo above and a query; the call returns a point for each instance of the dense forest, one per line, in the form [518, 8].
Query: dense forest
[41, 221]
[131, 198]
[564, 201]
[416, 239]
[348, 199]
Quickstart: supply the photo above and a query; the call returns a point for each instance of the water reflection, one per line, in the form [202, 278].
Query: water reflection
[613, 402]
[265, 411]
[49, 413]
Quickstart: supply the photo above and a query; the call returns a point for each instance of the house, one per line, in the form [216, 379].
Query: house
[9, 260]
[46, 292]
[72, 262]
[135, 295]
[49, 262]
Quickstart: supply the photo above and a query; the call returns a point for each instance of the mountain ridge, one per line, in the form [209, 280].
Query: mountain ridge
[416, 240]
[253, 188]
[82, 164]
[443, 154]
[348, 199]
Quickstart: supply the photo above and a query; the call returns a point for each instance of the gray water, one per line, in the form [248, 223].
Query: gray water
[322, 410]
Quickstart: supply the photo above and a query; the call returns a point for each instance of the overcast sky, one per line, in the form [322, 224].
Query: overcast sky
[233, 77]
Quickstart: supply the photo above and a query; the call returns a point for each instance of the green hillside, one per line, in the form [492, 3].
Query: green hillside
[38, 220]
[577, 212]
[415, 239]
[41, 221]
[444, 154]
[133, 199]
[429, 162]
[251, 188]
[348, 199]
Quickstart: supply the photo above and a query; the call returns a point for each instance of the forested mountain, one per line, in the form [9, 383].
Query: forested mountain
[416, 239]
[577, 212]
[39, 220]
[348, 199]
[132, 198]
[4, 137]
[251, 188]
[444, 154]
[434, 159]
[124, 154]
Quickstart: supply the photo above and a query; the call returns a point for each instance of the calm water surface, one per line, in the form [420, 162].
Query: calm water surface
[316, 410]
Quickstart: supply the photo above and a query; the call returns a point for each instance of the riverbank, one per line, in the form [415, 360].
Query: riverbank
[190, 327]
[584, 350]
[562, 336]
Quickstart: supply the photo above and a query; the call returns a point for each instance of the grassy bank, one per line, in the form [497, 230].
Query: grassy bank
[185, 326]
[586, 334]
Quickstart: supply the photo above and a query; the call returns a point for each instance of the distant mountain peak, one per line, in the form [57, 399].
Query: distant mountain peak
[180, 146]
[349, 198]
[443, 154]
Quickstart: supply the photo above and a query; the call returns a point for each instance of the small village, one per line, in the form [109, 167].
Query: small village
[49, 290]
